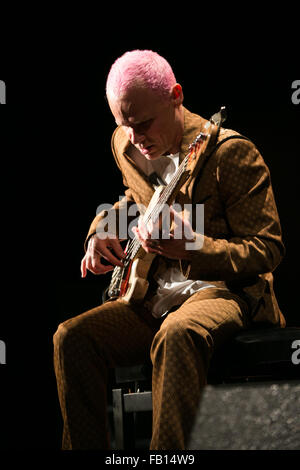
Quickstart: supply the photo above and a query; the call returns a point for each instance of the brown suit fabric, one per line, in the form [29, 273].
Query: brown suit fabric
[242, 246]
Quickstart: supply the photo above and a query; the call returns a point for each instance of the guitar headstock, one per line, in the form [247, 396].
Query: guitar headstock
[200, 142]
[202, 139]
[220, 117]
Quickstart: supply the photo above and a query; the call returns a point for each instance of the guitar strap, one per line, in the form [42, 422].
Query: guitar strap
[215, 148]
[184, 265]
[218, 120]
[226, 139]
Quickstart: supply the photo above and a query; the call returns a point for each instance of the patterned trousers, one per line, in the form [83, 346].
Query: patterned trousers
[114, 334]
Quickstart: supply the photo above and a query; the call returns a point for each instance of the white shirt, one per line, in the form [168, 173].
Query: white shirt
[173, 287]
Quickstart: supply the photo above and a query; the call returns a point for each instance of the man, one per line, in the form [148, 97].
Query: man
[197, 298]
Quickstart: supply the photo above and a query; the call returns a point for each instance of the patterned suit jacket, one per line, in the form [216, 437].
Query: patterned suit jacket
[242, 233]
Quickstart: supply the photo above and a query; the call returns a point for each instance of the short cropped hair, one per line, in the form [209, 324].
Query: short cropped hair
[142, 68]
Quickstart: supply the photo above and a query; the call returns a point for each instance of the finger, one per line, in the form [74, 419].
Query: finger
[142, 229]
[83, 267]
[186, 230]
[99, 248]
[93, 266]
[107, 254]
[138, 235]
[150, 229]
[152, 243]
[176, 217]
[146, 243]
[96, 267]
[149, 249]
[107, 269]
[116, 246]
[141, 240]
[150, 226]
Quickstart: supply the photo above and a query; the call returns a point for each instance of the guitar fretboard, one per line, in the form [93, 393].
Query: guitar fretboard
[152, 213]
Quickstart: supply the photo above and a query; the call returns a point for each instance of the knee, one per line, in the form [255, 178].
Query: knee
[181, 333]
[66, 336]
[179, 328]
[172, 330]
[59, 334]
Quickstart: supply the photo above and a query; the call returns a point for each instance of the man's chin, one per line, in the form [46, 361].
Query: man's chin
[153, 154]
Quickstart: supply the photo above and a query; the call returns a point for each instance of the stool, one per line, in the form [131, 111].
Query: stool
[258, 354]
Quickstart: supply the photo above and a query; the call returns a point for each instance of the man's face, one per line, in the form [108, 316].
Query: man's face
[154, 125]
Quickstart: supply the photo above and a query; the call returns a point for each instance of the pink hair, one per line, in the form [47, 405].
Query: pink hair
[146, 68]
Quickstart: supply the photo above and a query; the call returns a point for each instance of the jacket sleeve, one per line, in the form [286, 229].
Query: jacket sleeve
[99, 223]
[254, 244]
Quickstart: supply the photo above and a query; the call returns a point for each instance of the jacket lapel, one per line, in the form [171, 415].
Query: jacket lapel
[133, 176]
[136, 179]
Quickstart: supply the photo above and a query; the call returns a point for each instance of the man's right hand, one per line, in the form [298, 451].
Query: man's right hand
[97, 249]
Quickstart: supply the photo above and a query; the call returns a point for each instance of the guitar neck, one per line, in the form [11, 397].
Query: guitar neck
[168, 193]
[170, 189]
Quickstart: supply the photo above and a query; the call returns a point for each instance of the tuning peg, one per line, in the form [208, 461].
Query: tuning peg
[220, 117]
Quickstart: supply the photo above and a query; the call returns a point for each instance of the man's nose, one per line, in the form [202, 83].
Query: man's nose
[136, 137]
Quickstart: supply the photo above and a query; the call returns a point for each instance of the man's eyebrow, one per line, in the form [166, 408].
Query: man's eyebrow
[138, 123]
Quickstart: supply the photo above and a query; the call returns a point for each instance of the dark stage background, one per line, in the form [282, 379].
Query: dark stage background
[58, 168]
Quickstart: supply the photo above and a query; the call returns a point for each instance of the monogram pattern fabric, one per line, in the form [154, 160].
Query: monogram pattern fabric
[242, 247]
[113, 334]
[242, 232]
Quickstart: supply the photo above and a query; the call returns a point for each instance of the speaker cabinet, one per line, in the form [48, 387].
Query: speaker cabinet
[248, 416]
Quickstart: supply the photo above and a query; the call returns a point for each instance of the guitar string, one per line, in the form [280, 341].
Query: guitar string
[135, 244]
[131, 252]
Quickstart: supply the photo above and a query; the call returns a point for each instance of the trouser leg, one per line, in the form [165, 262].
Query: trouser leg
[181, 353]
[85, 347]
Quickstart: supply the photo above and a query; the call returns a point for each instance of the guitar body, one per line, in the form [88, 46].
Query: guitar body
[135, 284]
[135, 287]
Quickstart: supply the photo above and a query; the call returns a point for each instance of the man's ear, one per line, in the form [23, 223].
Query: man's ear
[177, 94]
